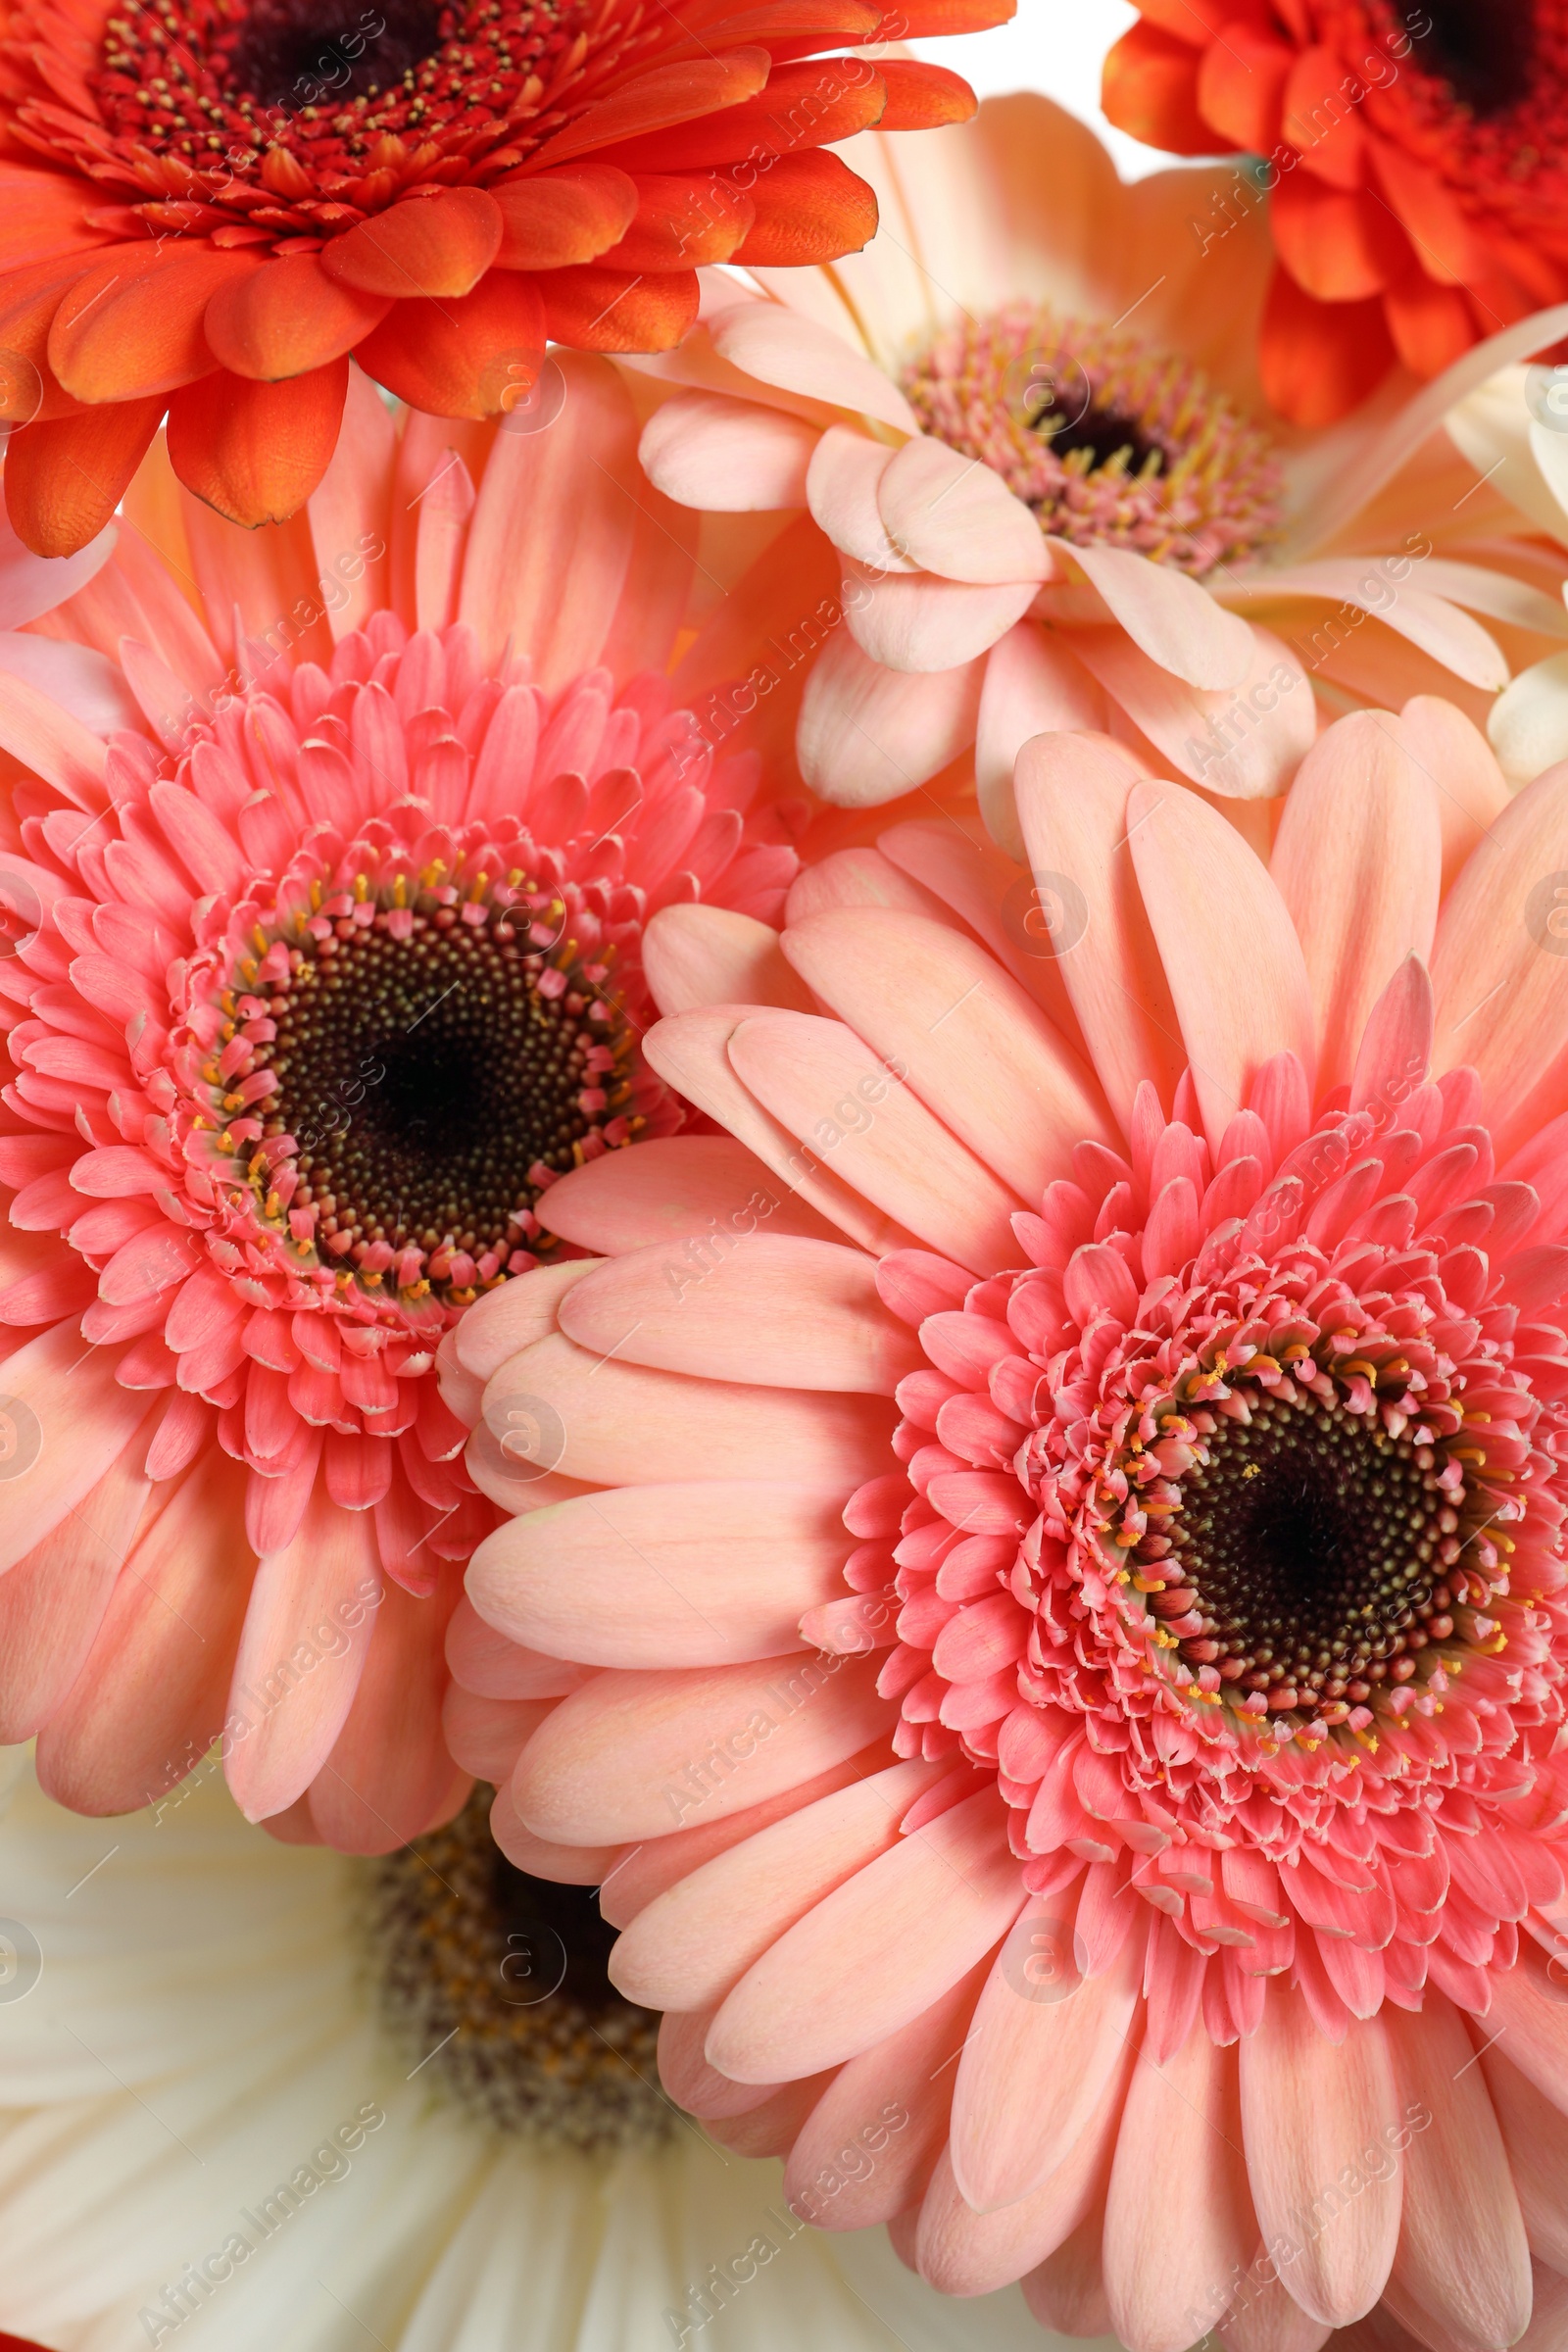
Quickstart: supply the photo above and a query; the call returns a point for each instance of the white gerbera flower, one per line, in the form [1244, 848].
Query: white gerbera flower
[217, 2132]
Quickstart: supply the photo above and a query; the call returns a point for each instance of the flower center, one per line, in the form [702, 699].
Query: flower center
[1107, 440]
[499, 1981]
[1306, 1557]
[284, 104]
[1484, 50]
[404, 1074]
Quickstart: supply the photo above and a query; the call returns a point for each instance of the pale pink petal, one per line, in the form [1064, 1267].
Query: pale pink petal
[640, 1755]
[868, 734]
[712, 1572]
[1244, 742]
[977, 1050]
[1458, 2192]
[779, 1312]
[350, 508]
[1509, 966]
[1427, 621]
[1304, 2101]
[86, 684]
[920, 622]
[600, 1419]
[513, 1316]
[490, 1665]
[1534, 2138]
[53, 1603]
[37, 730]
[71, 1415]
[728, 455]
[1073, 803]
[858, 878]
[781, 347]
[542, 1857]
[1204, 888]
[701, 1189]
[31, 585]
[1171, 619]
[995, 897]
[1358, 860]
[487, 1736]
[690, 1946]
[307, 1631]
[954, 516]
[1181, 2124]
[1463, 770]
[873, 1954]
[1528, 724]
[700, 954]
[826, 1087]
[1033, 686]
[841, 489]
[446, 506]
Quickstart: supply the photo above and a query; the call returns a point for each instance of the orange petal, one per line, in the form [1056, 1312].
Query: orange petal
[130, 328]
[810, 208]
[683, 222]
[1431, 325]
[654, 101]
[1319, 360]
[605, 310]
[64, 479]
[1320, 121]
[1149, 89]
[920, 97]
[806, 104]
[29, 301]
[1240, 86]
[287, 319]
[44, 212]
[560, 218]
[919, 23]
[428, 245]
[255, 452]
[473, 357]
[1447, 246]
[1337, 244]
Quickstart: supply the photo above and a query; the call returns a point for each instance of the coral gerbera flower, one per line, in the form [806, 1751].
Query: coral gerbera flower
[171, 2176]
[1029, 424]
[323, 963]
[1175, 1325]
[1413, 157]
[208, 206]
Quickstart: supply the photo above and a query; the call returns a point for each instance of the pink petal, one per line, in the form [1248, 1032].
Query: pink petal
[712, 1573]
[1032, 687]
[312, 1614]
[640, 1755]
[873, 1954]
[597, 1418]
[781, 1313]
[1358, 860]
[829, 1088]
[81, 681]
[782, 347]
[955, 517]
[978, 1050]
[1203, 889]
[1304, 2101]
[728, 455]
[487, 1736]
[1438, 628]
[1242, 742]
[1171, 619]
[700, 955]
[1471, 793]
[1181, 2122]
[868, 734]
[390, 1775]
[31, 585]
[919, 622]
[858, 878]
[841, 489]
[691, 1944]
[677, 1186]
[53, 1603]
[73, 1420]
[509, 1319]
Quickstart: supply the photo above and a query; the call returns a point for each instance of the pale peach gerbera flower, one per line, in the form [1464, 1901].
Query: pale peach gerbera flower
[1029, 422]
[323, 962]
[1176, 1328]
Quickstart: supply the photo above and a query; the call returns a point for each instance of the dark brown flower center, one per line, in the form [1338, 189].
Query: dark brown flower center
[497, 1980]
[1307, 1559]
[343, 49]
[433, 1073]
[1484, 50]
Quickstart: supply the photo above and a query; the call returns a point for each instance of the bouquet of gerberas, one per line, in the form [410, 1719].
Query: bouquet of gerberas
[783, 1123]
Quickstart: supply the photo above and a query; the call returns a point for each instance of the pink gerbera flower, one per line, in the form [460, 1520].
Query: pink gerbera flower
[323, 963]
[1130, 1858]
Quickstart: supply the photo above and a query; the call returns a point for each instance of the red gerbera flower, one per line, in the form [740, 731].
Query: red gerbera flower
[1415, 157]
[208, 205]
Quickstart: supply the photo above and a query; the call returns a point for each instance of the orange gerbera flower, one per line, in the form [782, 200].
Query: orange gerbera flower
[1415, 159]
[205, 204]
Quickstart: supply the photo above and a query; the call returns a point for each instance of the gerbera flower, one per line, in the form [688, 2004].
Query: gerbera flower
[1028, 422]
[1413, 159]
[209, 205]
[324, 962]
[1074, 1612]
[228, 2122]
